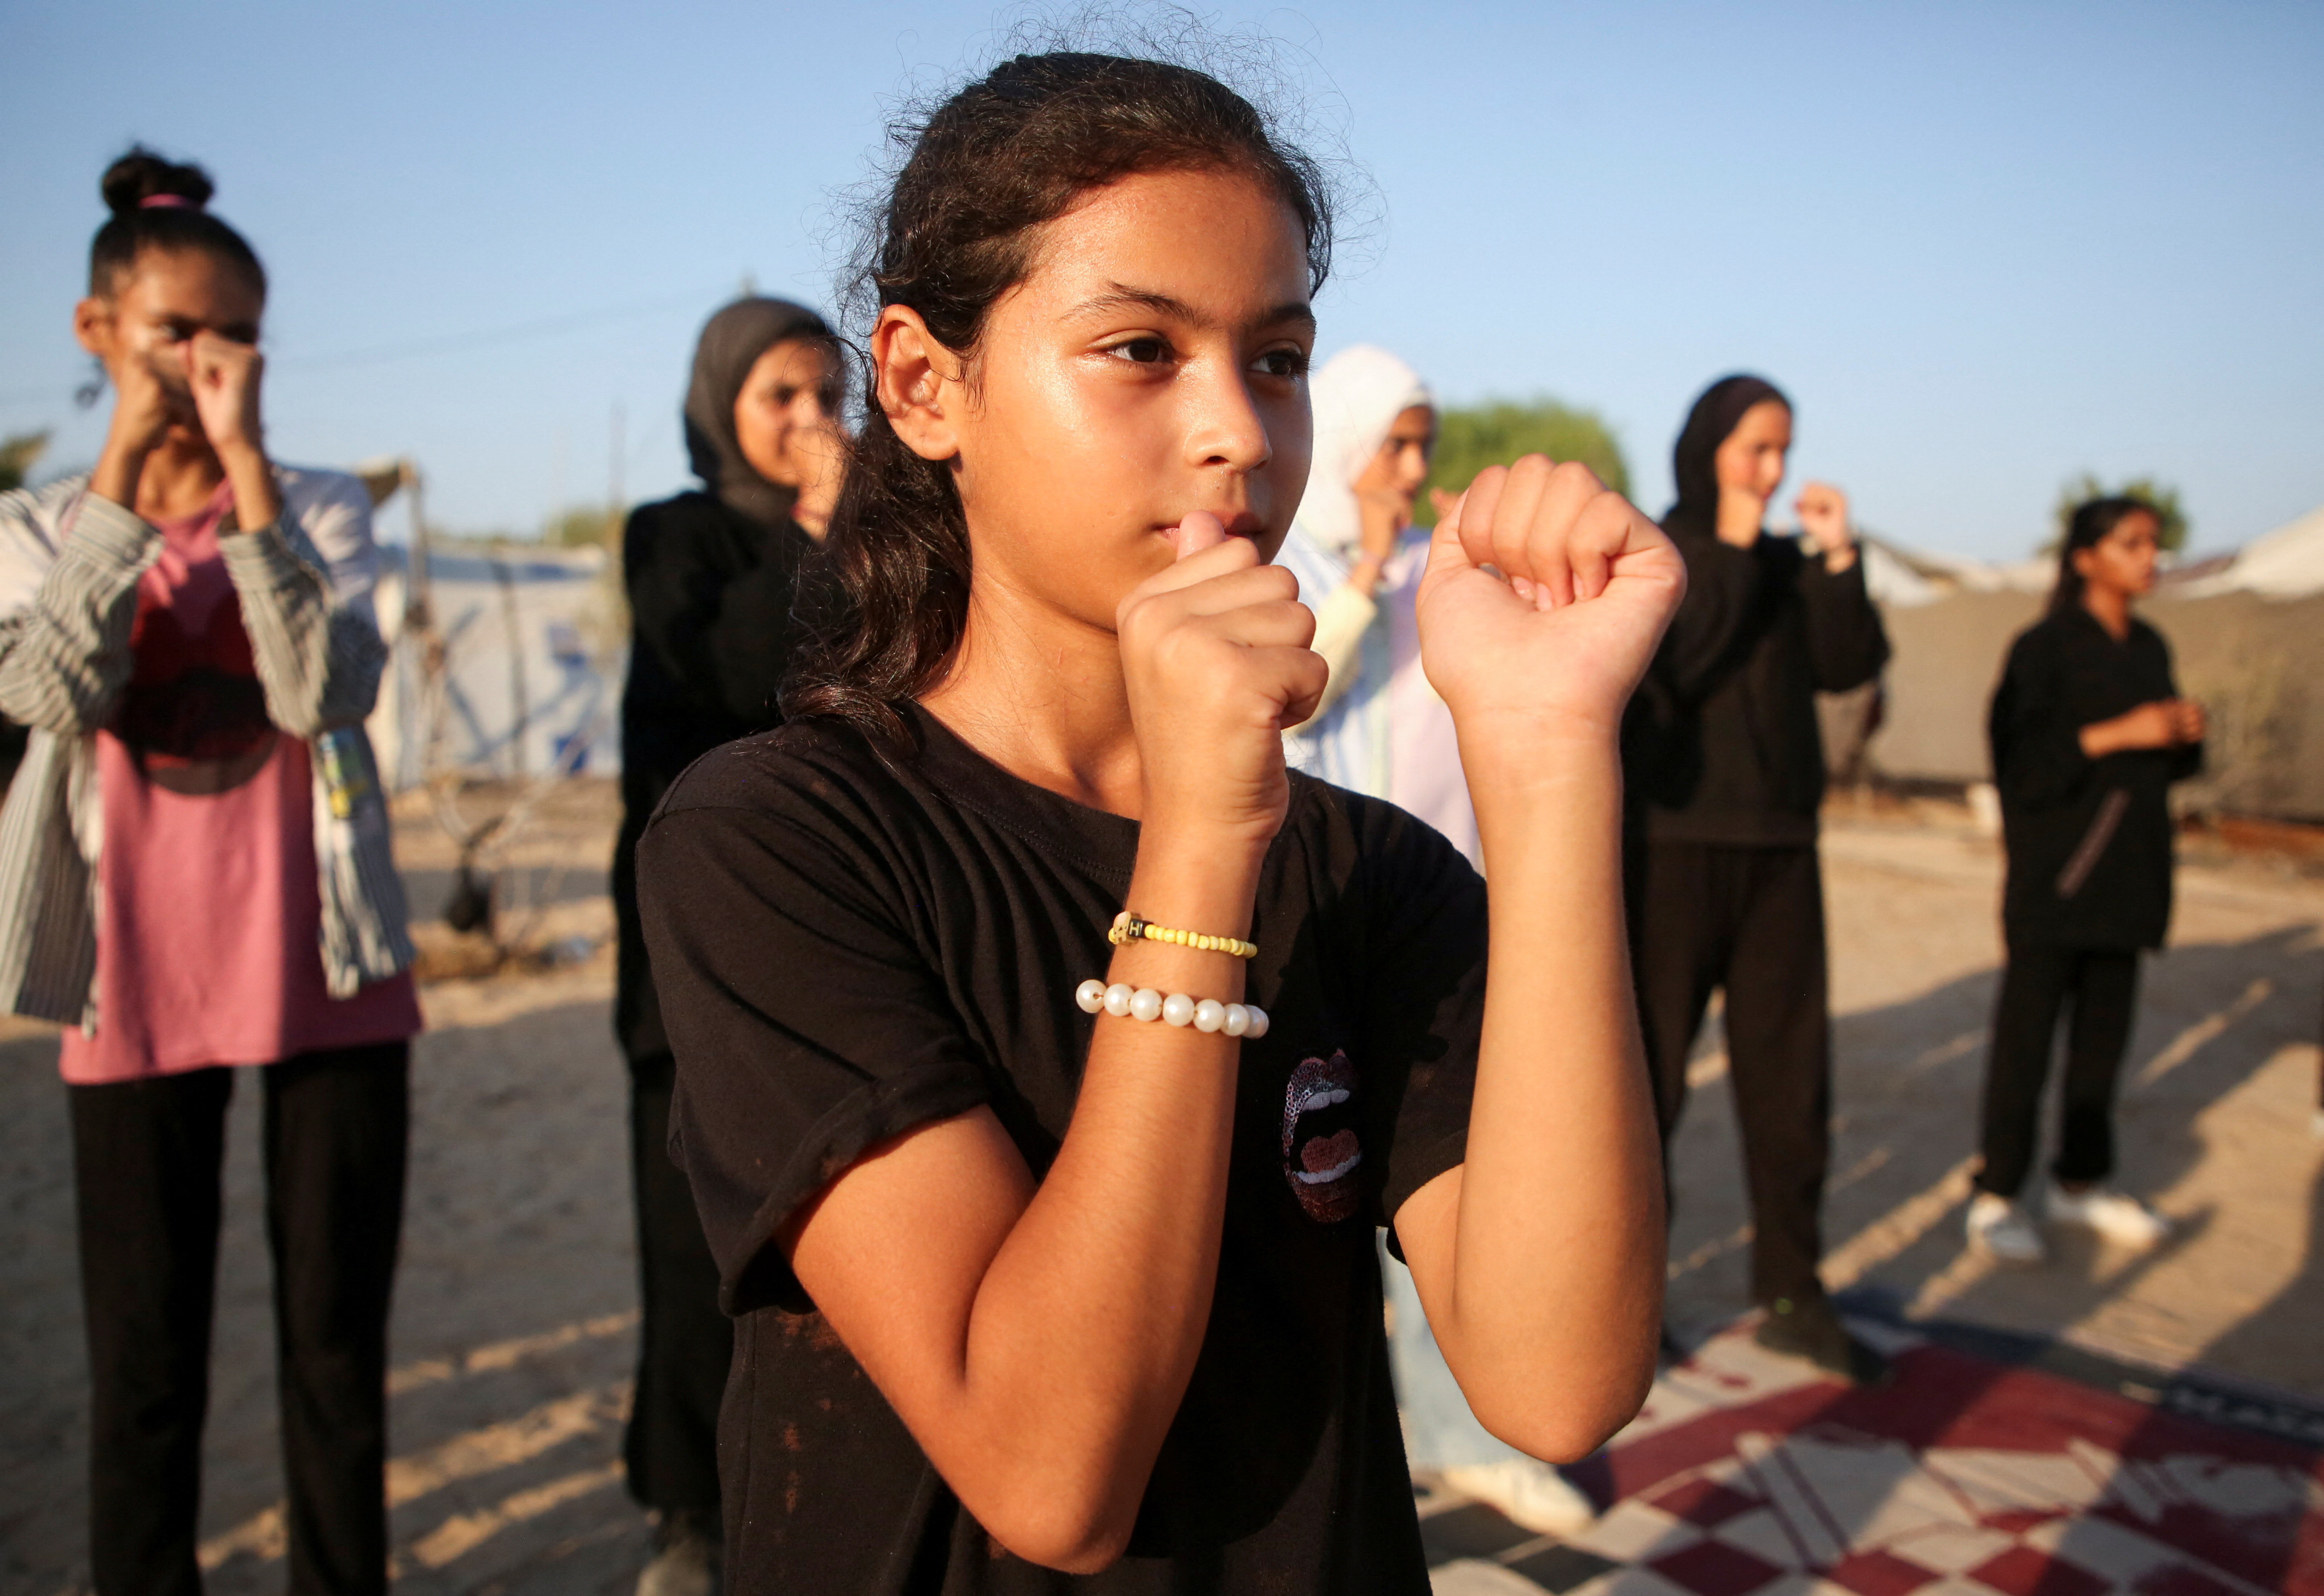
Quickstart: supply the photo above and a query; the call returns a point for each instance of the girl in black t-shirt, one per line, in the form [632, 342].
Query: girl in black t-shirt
[1026, 1282]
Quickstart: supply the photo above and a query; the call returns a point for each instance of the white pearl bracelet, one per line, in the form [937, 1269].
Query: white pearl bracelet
[1125, 1001]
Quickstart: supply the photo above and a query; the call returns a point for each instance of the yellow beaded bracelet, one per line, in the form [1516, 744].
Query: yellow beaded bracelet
[1129, 927]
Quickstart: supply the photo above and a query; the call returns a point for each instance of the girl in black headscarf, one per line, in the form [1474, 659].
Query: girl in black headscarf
[2088, 733]
[711, 576]
[1724, 770]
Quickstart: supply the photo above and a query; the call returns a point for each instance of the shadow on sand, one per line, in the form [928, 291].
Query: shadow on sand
[511, 1349]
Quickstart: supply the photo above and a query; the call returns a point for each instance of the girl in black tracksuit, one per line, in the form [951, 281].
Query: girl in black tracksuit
[2089, 733]
[1724, 771]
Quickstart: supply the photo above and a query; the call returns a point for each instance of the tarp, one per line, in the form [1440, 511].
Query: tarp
[534, 650]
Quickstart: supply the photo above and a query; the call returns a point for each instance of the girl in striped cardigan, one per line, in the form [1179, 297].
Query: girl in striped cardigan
[195, 875]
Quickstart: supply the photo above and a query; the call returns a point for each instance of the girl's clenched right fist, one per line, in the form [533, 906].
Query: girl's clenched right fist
[1215, 657]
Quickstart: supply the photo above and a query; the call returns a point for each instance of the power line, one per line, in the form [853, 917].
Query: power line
[441, 344]
[27, 395]
[460, 343]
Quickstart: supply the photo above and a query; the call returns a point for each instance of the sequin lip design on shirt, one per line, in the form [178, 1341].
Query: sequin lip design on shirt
[1318, 1124]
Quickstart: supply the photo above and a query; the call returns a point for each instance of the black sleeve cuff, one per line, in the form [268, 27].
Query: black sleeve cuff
[1414, 1168]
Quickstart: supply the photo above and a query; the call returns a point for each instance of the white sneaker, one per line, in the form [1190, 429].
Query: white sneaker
[1530, 1494]
[2112, 1214]
[1999, 1228]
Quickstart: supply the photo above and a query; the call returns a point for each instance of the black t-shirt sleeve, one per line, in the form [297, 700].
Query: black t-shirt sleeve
[1423, 1004]
[807, 1026]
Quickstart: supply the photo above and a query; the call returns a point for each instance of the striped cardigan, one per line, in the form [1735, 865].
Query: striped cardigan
[70, 563]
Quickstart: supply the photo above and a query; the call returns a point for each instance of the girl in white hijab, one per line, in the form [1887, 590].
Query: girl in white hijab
[1381, 729]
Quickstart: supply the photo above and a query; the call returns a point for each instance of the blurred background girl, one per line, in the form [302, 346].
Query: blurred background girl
[711, 576]
[194, 873]
[1382, 730]
[2089, 733]
[1725, 776]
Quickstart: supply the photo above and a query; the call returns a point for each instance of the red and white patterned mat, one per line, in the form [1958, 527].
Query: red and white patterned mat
[1747, 1474]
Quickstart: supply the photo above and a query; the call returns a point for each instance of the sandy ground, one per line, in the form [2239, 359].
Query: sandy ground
[514, 1325]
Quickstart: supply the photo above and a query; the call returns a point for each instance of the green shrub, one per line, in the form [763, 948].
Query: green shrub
[2161, 497]
[1472, 437]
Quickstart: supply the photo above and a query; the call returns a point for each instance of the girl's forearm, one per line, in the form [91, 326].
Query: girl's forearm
[1086, 1323]
[257, 501]
[1555, 1289]
[1342, 618]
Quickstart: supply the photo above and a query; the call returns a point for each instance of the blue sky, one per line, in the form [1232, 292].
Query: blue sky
[1985, 247]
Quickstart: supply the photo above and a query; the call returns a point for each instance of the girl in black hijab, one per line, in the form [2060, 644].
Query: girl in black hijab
[2089, 733]
[1724, 770]
[711, 576]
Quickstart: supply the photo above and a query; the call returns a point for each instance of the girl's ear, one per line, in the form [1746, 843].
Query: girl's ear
[917, 383]
[93, 326]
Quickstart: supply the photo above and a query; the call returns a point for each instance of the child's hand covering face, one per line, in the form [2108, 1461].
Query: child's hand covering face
[1153, 363]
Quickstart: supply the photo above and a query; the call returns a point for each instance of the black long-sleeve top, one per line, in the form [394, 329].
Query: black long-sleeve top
[713, 631]
[2088, 840]
[1721, 744]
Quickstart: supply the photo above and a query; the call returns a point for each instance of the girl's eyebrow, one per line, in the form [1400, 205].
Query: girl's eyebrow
[1122, 297]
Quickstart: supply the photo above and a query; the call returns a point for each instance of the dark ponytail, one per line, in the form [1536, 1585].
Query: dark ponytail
[2092, 520]
[158, 204]
[1004, 155]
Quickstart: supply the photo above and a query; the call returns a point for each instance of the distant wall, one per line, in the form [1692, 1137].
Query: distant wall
[1946, 659]
[2255, 664]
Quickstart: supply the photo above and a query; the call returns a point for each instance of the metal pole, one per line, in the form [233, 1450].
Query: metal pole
[613, 485]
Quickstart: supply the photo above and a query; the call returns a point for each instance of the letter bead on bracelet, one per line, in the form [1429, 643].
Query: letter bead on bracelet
[1130, 928]
[1126, 1001]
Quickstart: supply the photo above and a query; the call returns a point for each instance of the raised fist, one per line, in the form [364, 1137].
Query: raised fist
[1547, 643]
[1214, 654]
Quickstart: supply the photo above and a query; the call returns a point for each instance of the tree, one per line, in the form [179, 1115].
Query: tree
[2158, 496]
[1495, 433]
[17, 453]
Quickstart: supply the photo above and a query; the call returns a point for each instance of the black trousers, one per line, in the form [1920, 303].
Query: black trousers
[685, 1343]
[2102, 986]
[146, 1157]
[1748, 921]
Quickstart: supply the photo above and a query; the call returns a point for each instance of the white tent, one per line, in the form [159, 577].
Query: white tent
[1899, 576]
[2286, 563]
